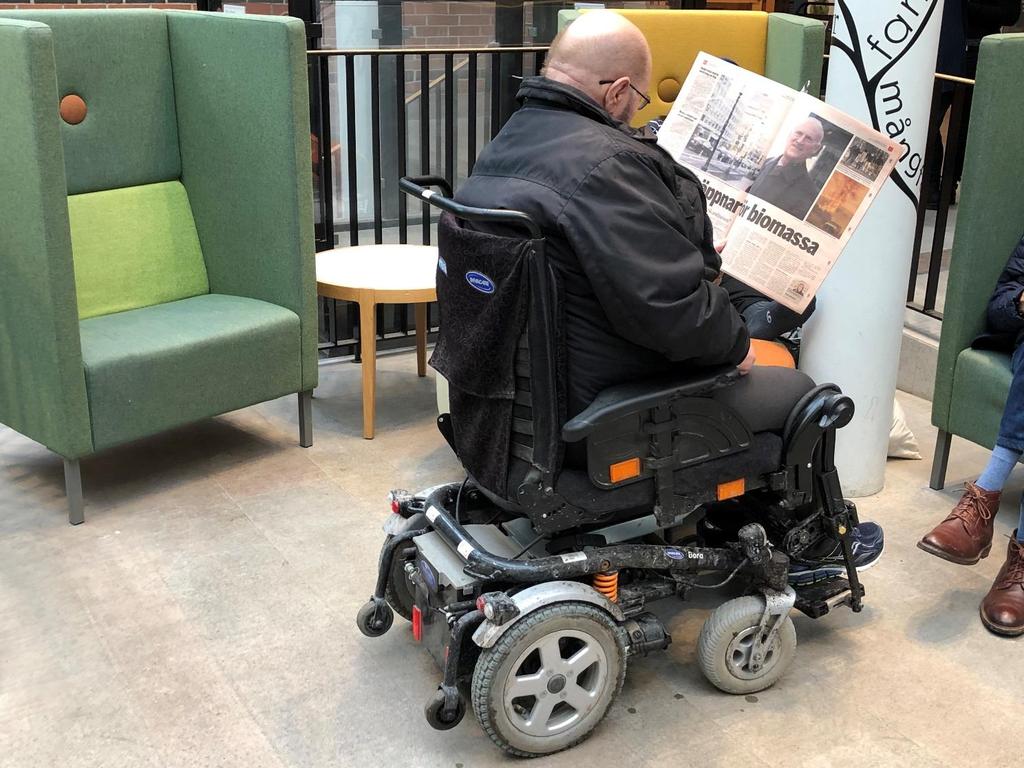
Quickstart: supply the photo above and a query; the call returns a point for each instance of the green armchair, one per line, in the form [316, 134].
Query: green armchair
[156, 257]
[971, 385]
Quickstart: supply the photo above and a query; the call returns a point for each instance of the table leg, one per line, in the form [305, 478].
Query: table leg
[368, 344]
[421, 339]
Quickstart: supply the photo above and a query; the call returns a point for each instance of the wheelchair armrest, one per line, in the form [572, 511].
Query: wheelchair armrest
[626, 399]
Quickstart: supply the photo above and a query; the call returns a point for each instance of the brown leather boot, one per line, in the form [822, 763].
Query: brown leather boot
[965, 536]
[1002, 610]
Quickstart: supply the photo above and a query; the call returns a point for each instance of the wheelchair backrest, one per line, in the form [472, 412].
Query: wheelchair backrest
[497, 343]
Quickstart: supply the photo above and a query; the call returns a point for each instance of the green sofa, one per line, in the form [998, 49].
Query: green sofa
[971, 385]
[156, 257]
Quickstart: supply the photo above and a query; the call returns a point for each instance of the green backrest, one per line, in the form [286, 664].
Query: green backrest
[133, 236]
[134, 247]
[991, 213]
[795, 51]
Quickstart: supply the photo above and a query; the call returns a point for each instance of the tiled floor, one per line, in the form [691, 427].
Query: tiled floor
[203, 615]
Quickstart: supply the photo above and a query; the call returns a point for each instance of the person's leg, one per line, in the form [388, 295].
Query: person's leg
[765, 397]
[1002, 609]
[1000, 463]
[965, 535]
[768, 319]
[1020, 523]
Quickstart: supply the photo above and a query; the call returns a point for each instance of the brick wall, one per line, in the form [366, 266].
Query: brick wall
[455, 24]
[447, 24]
[443, 24]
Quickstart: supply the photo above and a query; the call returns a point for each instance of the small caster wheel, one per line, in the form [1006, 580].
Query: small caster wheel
[436, 715]
[725, 647]
[375, 618]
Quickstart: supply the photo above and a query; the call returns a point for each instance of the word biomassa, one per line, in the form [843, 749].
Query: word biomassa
[761, 218]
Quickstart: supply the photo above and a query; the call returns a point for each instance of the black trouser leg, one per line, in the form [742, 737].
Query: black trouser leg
[768, 319]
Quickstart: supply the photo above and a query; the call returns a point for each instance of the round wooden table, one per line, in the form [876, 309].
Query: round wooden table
[380, 274]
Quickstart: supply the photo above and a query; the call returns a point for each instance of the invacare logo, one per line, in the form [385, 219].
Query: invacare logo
[480, 282]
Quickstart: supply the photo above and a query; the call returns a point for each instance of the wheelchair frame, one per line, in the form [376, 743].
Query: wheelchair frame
[506, 589]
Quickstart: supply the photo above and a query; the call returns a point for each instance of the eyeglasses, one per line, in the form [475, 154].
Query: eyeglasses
[645, 99]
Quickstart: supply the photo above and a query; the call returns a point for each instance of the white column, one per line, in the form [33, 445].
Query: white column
[881, 71]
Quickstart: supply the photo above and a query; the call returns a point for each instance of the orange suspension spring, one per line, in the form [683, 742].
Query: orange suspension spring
[607, 584]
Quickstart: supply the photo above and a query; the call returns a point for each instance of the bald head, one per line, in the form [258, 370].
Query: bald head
[804, 141]
[602, 45]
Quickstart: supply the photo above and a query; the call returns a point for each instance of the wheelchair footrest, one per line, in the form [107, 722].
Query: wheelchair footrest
[815, 600]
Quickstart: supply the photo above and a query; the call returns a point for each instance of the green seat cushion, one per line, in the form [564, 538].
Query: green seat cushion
[134, 247]
[155, 368]
[981, 383]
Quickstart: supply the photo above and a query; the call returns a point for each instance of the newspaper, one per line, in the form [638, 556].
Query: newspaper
[787, 177]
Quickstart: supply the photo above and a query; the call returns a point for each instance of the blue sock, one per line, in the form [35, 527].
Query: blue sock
[1002, 461]
[1020, 523]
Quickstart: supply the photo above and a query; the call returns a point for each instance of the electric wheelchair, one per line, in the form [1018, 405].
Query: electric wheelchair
[529, 581]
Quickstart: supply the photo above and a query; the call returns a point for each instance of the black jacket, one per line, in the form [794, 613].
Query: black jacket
[1004, 327]
[626, 232]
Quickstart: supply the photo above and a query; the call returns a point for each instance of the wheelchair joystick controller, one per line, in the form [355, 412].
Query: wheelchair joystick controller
[754, 541]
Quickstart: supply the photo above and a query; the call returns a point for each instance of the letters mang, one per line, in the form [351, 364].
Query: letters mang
[895, 128]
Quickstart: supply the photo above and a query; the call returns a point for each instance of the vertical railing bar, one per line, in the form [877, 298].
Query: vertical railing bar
[949, 163]
[327, 172]
[495, 93]
[471, 116]
[922, 203]
[403, 148]
[449, 118]
[378, 222]
[350, 119]
[425, 136]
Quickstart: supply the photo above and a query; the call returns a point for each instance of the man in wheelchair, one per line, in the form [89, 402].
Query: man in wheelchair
[603, 399]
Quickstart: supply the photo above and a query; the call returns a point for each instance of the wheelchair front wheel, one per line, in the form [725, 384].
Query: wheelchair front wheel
[550, 679]
[725, 647]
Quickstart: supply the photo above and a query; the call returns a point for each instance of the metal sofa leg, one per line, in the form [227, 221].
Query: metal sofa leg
[940, 459]
[73, 488]
[306, 418]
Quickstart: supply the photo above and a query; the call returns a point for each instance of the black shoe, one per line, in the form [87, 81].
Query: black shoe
[867, 542]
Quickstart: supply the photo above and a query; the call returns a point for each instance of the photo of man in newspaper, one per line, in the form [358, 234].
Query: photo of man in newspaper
[785, 180]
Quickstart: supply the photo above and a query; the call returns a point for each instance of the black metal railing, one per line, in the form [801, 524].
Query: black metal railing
[430, 111]
[942, 165]
[424, 111]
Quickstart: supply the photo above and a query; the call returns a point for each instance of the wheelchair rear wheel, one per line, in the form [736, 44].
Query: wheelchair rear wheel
[398, 591]
[725, 647]
[550, 679]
